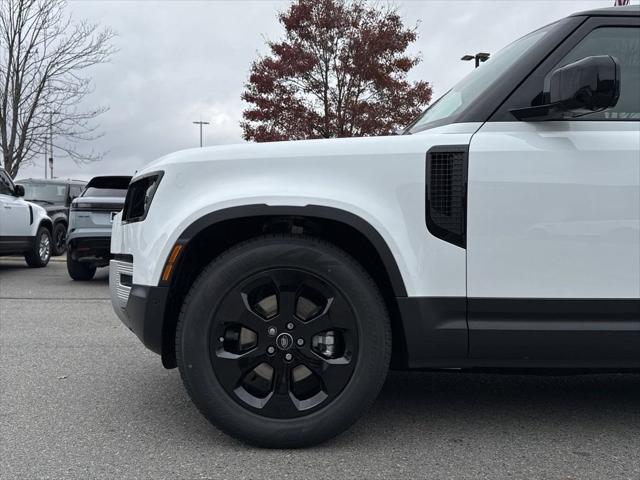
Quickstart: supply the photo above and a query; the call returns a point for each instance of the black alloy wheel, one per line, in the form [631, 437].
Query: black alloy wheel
[283, 341]
[59, 239]
[286, 344]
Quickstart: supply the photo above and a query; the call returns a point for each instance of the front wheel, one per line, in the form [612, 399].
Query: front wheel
[40, 252]
[283, 342]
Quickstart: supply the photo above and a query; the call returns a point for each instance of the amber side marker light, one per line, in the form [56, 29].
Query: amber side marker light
[171, 260]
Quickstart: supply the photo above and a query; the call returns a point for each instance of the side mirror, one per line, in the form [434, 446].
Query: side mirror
[19, 191]
[588, 85]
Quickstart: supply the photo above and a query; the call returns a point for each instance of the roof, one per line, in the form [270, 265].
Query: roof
[628, 11]
[54, 181]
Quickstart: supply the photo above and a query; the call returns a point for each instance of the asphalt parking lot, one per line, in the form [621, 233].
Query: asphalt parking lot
[81, 398]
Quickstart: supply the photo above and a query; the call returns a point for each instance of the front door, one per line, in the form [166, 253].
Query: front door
[553, 232]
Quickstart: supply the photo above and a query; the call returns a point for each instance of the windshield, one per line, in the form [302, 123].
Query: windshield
[473, 85]
[45, 193]
[109, 186]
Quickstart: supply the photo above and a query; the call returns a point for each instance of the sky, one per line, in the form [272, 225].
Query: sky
[182, 61]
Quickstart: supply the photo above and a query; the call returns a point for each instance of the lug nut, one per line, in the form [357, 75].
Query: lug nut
[272, 331]
[290, 326]
[300, 342]
[271, 350]
[288, 357]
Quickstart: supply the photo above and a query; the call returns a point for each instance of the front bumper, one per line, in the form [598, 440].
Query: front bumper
[139, 307]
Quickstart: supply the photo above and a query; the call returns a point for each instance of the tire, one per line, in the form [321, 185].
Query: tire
[59, 239]
[329, 380]
[40, 252]
[78, 270]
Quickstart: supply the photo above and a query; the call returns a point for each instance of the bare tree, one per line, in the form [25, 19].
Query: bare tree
[43, 58]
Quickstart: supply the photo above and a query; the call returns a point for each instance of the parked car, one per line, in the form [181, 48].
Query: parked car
[25, 228]
[55, 196]
[283, 278]
[90, 219]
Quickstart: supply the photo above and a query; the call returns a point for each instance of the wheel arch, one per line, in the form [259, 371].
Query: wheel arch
[60, 219]
[210, 235]
[47, 223]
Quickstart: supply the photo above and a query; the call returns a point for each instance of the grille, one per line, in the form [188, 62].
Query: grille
[446, 194]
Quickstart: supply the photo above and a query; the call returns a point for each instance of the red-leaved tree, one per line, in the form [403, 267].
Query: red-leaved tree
[340, 71]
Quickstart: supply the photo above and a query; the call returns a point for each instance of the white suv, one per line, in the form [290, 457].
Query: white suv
[501, 231]
[25, 228]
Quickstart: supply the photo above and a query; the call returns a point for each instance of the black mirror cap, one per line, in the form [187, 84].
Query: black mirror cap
[19, 191]
[586, 86]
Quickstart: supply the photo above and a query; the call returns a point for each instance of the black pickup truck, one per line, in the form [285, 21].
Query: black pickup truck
[55, 196]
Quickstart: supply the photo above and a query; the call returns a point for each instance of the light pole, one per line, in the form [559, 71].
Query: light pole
[478, 57]
[51, 143]
[48, 149]
[201, 123]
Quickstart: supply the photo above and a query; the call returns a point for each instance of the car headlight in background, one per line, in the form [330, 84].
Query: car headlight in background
[139, 197]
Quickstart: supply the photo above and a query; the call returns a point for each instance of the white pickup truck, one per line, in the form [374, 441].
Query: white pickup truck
[502, 230]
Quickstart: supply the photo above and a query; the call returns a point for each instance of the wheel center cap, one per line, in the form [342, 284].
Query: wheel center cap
[284, 341]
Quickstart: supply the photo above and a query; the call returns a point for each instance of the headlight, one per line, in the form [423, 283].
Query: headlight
[139, 197]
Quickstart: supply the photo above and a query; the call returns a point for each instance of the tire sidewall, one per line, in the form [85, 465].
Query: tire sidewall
[55, 250]
[77, 270]
[33, 257]
[333, 266]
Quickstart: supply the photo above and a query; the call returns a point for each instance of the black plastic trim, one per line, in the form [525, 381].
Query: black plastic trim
[123, 257]
[145, 314]
[94, 250]
[435, 330]
[15, 244]
[436, 229]
[310, 211]
[502, 333]
[562, 330]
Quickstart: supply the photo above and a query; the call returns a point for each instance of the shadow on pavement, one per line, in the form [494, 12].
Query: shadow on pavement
[413, 405]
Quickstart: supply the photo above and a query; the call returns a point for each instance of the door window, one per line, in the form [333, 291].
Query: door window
[75, 191]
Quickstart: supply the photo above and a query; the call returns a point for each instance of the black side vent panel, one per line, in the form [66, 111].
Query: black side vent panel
[446, 202]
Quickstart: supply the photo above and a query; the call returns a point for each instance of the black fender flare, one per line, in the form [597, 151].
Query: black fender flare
[60, 217]
[308, 211]
[47, 223]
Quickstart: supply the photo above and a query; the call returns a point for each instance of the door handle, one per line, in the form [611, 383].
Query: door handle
[7, 206]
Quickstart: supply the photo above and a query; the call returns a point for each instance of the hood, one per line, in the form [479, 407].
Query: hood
[37, 208]
[253, 151]
[305, 149]
[49, 207]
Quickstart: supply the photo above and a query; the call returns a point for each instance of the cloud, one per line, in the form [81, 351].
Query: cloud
[181, 61]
